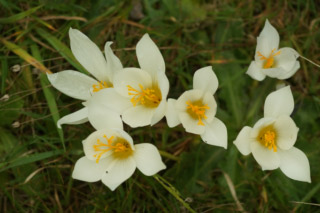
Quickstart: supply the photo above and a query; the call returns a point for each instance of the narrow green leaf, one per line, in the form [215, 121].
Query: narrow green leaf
[52, 105]
[29, 159]
[4, 73]
[19, 16]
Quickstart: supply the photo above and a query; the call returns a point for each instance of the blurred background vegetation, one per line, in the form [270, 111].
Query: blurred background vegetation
[37, 159]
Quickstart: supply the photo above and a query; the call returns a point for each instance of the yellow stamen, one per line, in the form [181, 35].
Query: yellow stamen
[147, 97]
[119, 146]
[269, 61]
[100, 86]
[197, 110]
[267, 137]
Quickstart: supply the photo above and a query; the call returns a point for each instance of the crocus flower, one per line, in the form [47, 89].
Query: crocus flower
[196, 109]
[111, 156]
[272, 138]
[81, 86]
[271, 61]
[140, 94]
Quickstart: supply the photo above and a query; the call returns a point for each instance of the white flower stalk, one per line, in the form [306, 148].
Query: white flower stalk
[111, 156]
[272, 138]
[271, 61]
[196, 109]
[141, 94]
[81, 86]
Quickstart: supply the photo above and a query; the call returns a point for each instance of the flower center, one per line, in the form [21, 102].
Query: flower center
[269, 61]
[120, 147]
[267, 137]
[147, 97]
[101, 85]
[197, 110]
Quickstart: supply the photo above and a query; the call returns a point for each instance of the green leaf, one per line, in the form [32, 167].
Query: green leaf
[29, 159]
[19, 16]
[52, 105]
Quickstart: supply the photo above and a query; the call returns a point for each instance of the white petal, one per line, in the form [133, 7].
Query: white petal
[216, 134]
[72, 83]
[159, 112]
[206, 80]
[279, 103]
[113, 62]
[243, 140]
[149, 56]
[209, 100]
[77, 117]
[148, 159]
[131, 77]
[172, 113]
[267, 41]
[295, 164]
[191, 124]
[108, 99]
[88, 170]
[273, 72]
[137, 116]
[255, 72]
[267, 159]
[287, 132]
[101, 117]
[119, 172]
[89, 55]
[163, 84]
[290, 73]
[92, 140]
[286, 59]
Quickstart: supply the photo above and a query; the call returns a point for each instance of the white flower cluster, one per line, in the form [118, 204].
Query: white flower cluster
[138, 97]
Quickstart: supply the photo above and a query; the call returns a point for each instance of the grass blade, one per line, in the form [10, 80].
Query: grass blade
[52, 105]
[19, 16]
[25, 56]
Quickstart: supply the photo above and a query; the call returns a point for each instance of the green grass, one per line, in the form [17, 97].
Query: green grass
[37, 159]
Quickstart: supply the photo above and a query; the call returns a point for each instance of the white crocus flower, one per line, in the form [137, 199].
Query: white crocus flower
[141, 94]
[196, 109]
[111, 156]
[272, 138]
[271, 61]
[81, 86]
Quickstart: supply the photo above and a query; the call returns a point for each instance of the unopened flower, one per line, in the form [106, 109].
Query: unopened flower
[196, 109]
[111, 156]
[271, 61]
[140, 94]
[272, 138]
[81, 86]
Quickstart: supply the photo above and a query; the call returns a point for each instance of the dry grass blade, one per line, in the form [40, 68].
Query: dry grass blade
[233, 191]
[311, 204]
[25, 56]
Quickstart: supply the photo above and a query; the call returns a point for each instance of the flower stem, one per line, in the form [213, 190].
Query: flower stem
[173, 191]
[168, 155]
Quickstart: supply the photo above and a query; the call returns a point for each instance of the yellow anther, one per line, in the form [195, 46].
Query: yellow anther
[197, 110]
[269, 61]
[267, 137]
[101, 148]
[100, 86]
[147, 97]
